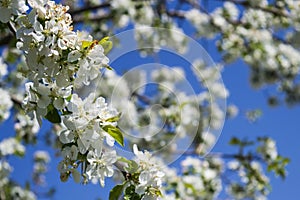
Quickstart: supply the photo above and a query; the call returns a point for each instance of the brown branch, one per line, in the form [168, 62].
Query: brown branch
[15, 100]
[272, 10]
[90, 8]
[174, 13]
[98, 18]
[196, 5]
[12, 28]
[222, 155]
[142, 98]
[6, 39]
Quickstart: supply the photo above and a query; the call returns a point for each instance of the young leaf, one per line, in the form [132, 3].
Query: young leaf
[234, 141]
[132, 167]
[116, 192]
[106, 44]
[86, 44]
[52, 114]
[115, 133]
[114, 119]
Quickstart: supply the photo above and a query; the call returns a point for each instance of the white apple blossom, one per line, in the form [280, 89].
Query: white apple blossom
[9, 8]
[232, 111]
[11, 146]
[151, 173]
[70, 152]
[20, 193]
[201, 21]
[3, 68]
[41, 159]
[42, 156]
[197, 181]
[5, 170]
[268, 149]
[101, 164]
[5, 104]
[46, 36]
[26, 127]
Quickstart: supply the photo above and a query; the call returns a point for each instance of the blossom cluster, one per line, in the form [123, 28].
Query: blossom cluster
[85, 138]
[198, 179]
[41, 159]
[144, 176]
[11, 146]
[9, 189]
[58, 59]
[150, 174]
[10, 8]
[26, 128]
[5, 104]
[254, 185]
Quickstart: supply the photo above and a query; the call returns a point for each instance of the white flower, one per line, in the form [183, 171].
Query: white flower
[151, 173]
[42, 156]
[191, 162]
[232, 111]
[233, 165]
[10, 146]
[74, 56]
[101, 164]
[121, 4]
[5, 104]
[5, 170]
[26, 126]
[3, 68]
[209, 174]
[20, 193]
[89, 67]
[232, 10]
[270, 149]
[11, 7]
[70, 152]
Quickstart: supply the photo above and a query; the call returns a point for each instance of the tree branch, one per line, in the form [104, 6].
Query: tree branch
[272, 10]
[6, 39]
[98, 18]
[223, 155]
[90, 8]
[11, 27]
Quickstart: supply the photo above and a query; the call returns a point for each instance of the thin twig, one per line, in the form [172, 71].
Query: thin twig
[12, 28]
[90, 8]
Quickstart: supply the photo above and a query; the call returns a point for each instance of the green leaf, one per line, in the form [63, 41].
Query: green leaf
[19, 153]
[115, 133]
[116, 192]
[86, 44]
[114, 119]
[106, 44]
[155, 191]
[52, 114]
[130, 193]
[123, 159]
[132, 167]
[234, 141]
[69, 97]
